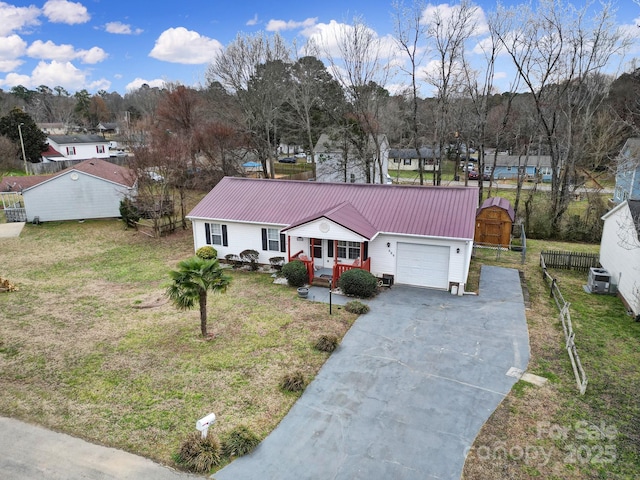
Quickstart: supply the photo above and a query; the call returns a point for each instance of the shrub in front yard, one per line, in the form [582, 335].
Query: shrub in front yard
[327, 343]
[354, 306]
[199, 454]
[293, 382]
[296, 273]
[276, 263]
[250, 257]
[358, 282]
[233, 260]
[129, 212]
[207, 253]
[239, 441]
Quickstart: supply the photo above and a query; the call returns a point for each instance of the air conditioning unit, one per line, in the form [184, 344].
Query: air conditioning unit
[599, 280]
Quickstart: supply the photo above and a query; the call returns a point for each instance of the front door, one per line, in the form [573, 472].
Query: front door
[315, 247]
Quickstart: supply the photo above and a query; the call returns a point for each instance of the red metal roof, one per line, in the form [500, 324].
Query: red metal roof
[412, 210]
[499, 202]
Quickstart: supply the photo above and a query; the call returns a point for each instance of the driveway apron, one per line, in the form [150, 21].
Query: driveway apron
[407, 391]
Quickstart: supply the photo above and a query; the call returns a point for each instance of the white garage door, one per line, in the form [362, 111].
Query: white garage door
[423, 265]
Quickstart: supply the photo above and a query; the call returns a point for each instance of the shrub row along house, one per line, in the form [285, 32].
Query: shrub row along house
[419, 236]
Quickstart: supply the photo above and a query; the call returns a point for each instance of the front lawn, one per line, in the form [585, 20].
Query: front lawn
[90, 346]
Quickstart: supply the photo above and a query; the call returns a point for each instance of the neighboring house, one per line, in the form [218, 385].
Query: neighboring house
[620, 251]
[89, 189]
[75, 147]
[628, 172]
[330, 161]
[417, 235]
[494, 221]
[508, 166]
[108, 127]
[408, 159]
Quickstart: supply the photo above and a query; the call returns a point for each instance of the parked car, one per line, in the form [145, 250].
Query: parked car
[287, 160]
[473, 175]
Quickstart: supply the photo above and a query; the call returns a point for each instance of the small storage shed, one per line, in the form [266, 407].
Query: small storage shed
[494, 220]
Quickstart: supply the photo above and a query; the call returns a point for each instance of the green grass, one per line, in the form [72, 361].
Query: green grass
[89, 345]
[608, 343]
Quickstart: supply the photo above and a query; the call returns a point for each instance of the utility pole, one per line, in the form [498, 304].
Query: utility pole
[24, 157]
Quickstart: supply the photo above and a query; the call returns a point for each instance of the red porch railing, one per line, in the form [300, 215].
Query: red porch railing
[340, 268]
[308, 262]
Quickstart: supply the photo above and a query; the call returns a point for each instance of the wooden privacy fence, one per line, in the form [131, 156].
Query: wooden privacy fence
[565, 317]
[571, 260]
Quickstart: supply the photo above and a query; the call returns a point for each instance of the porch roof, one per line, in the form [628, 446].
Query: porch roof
[396, 209]
[345, 215]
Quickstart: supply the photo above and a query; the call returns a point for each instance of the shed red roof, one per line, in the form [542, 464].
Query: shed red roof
[500, 203]
[411, 210]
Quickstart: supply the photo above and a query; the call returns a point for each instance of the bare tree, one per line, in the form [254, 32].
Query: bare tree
[357, 62]
[237, 68]
[558, 53]
[409, 31]
[448, 30]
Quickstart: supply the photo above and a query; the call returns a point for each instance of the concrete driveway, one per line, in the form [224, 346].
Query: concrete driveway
[406, 393]
[30, 452]
[403, 397]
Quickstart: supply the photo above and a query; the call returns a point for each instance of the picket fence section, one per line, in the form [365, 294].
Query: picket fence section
[571, 260]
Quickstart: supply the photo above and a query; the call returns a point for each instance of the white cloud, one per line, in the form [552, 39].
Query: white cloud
[449, 14]
[14, 79]
[17, 18]
[54, 73]
[102, 84]
[328, 36]
[65, 52]
[138, 82]
[12, 47]
[91, 56]
[279, 25]
[58, 73]
[63, 11]
[179, 45]
[120, 28]
[9, 65]
[253, 21]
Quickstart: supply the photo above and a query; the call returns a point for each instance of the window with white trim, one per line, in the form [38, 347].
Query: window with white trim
[216, 233]
[71, 150]
[350, 250]
[273, 239]
[407, 161]
[100, 149]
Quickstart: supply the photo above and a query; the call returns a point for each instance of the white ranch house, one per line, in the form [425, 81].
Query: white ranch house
[417, 235]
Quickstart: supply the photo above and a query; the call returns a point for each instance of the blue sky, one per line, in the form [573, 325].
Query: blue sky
[116, 45]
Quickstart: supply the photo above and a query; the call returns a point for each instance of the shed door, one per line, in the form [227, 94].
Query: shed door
[423, 265]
